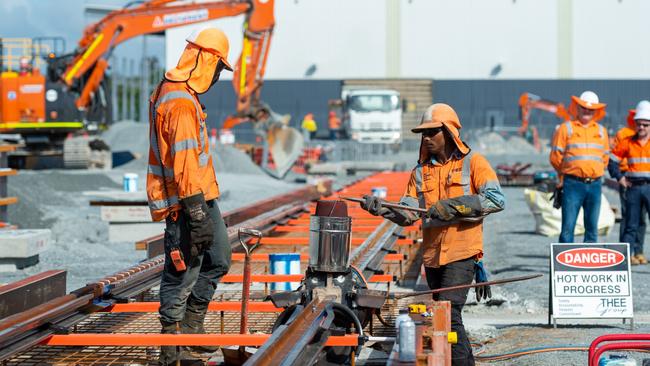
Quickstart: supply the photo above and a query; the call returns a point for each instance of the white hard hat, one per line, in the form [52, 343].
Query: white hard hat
[589, 97]
[642, 110]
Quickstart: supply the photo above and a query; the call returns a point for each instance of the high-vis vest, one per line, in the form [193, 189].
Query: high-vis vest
[462, 175]
[580, 150]
[180, 164]
[637, 155]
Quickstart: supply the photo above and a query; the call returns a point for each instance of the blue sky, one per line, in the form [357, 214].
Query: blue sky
[65, 18]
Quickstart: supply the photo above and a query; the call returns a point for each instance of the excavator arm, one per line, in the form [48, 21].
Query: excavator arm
[529, 101]
[86, 69]
[89, 63]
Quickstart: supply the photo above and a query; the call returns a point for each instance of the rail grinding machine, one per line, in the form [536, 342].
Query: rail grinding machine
[330, 276]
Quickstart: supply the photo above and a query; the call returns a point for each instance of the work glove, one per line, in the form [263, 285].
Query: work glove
[463, 206]
[480, 275]
[557, 197]
[200, 223]
[372, 204]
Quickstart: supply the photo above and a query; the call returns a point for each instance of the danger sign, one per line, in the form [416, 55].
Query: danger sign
[591, 281]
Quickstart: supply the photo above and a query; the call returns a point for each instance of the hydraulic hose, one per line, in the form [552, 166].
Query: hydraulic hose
[355, 319]
[535, 350]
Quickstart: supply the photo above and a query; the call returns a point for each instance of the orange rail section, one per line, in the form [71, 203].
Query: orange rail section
[231, 306]
[304, 257]
[230, 278]
[303, 240]
[153, 339]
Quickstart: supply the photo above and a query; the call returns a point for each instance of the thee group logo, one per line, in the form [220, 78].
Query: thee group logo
[590, 258]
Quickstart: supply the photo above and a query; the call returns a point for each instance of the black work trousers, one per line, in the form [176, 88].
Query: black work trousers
[453, 274]
[200, 279]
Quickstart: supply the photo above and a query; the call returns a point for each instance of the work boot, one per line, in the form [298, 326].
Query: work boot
[169, 355]
[641, 258]
[634, 260]
[193, 324]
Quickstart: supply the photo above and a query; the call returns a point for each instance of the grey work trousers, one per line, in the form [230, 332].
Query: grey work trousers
[200, 279]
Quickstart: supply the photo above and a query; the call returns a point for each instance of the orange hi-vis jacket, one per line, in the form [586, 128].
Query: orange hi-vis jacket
[461, 175]
[637, 155]
[180, 164]
[580, 150]
[622, 134]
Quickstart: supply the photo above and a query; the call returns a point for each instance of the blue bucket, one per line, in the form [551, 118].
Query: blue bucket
[285, 263]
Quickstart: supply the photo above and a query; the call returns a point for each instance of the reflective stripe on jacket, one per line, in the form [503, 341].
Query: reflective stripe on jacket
[180, 164]
[580, 150]
[461, 175]
[637, 155]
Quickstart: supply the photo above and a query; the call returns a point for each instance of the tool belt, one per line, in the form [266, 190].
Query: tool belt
[581, 179]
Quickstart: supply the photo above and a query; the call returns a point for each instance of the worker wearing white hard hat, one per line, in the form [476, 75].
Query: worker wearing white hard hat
[624, 133]
[636, 180]
[579, 153]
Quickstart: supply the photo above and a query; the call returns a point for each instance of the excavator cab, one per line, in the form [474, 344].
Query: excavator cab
[37, 112]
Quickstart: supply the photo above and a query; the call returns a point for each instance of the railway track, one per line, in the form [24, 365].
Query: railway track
[114, 320]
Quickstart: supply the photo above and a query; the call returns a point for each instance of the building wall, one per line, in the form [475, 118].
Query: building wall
[444, 39]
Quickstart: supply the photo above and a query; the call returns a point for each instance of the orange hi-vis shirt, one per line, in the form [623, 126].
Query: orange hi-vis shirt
[432, 181]
[637, 155]
[180, 164]
[580, 150]
[622, 134]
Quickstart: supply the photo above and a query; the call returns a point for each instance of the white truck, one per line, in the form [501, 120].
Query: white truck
[372, 115]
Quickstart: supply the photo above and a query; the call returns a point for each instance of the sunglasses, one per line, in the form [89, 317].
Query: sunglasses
[643, 125]
[430, 132]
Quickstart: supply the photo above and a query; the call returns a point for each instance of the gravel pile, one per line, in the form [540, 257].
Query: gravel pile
[134, 137]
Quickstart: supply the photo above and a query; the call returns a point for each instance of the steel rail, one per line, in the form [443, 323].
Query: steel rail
[308, 336]
[28, 328]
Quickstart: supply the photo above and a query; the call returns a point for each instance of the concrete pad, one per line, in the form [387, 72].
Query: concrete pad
[23, 243]
[121, 214]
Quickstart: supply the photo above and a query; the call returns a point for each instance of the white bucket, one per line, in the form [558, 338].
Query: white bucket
[130, 182]
[284, 263]
[381, 192]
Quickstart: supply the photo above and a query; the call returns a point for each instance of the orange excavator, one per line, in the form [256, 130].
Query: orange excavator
[528, 102]
[73, 96]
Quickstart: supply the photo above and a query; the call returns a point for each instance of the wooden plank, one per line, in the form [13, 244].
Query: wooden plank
[7, 148]
[5, 201]
[5, 172]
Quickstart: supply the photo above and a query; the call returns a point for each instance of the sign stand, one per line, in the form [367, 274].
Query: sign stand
[590, 281]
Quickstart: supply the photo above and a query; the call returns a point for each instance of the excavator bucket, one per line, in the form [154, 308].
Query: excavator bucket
[285, 145]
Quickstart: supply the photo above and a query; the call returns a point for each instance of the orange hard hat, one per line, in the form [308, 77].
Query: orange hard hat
[213, 40]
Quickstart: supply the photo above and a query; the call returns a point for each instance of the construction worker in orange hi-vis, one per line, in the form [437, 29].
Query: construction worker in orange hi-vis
[636, 180]
[182, 189]
[458, 188]
[334, 123]
[579, 153]
[623, 134]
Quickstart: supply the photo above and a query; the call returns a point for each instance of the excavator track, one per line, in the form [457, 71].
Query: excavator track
[79, 153]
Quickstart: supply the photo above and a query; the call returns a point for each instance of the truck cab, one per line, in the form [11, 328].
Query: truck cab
[373, 115]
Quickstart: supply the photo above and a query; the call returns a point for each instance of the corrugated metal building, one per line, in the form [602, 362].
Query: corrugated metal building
[476, 101]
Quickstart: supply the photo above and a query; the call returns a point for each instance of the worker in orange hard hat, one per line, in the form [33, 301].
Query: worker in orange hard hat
[182, 189]
[625, 133]
[636, 180]
[579, 153]
[458, 188]
[334, 123]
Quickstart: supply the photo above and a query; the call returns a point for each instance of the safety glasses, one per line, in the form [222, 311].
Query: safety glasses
[430, 132]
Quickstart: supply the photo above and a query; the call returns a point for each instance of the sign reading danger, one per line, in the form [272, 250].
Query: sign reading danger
[591, 281]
